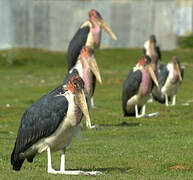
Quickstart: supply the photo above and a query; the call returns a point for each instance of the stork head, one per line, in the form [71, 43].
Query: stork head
[95, 16]
[141, 63]
[153, 38]
[88, 60]
[75, 85]
[176, 64]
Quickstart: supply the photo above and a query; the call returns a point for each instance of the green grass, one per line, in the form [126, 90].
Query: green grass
[146, 148]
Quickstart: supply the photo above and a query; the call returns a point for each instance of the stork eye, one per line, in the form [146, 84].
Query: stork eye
[75, 84]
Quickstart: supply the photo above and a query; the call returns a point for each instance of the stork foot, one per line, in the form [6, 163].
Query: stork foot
[156, 114]
[77, 172]
[52, 171]
[140, 116]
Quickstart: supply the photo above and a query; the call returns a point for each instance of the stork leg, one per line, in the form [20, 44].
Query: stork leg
[92, 103]
[166, 99]
[148, 115]
[50, 169]
[174, 100]
[62, 163]
[77, 172]
[143, 110]
[136, 112]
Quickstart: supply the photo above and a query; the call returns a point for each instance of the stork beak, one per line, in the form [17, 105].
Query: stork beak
[107, 29]
[94, 68]
[153, 76]
[179, 73]
[80, 100]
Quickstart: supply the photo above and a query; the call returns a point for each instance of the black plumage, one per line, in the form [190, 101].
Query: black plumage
[162, 74]
[39, 121]
[130, 88]
[76, 44]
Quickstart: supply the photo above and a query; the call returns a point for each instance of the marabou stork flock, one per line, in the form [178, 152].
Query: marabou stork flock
[51, 122]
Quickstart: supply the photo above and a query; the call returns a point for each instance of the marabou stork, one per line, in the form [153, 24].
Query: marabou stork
[50, 124]
[151, 49]
[170, 77]
[137, 88]
[89, 34]
[87, 68]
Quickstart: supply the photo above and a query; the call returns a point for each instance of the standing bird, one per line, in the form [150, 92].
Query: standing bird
[151, 49]
[87, 68]
[170, 77]
[137, 87]
[89, 34]
[50, 124]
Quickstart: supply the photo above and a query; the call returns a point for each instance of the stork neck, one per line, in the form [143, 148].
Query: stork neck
[96, 33]
[150, 46]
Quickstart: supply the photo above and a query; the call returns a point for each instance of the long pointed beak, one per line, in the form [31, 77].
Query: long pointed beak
[94, 68]
[108, 30]
[179, 72]
[153, 76]
[80, 100]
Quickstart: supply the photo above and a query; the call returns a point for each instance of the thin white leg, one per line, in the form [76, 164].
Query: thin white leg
[143, 110]
[62, 163]
[166, 97]
[92, 102]
[136, 112]
[50, 169]
[174, 100]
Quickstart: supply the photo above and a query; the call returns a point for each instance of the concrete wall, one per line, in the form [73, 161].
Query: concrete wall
[6, 36]
[50, 24]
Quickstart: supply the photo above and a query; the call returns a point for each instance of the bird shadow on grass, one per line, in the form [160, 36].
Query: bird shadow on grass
[122, 124]
[4, 132]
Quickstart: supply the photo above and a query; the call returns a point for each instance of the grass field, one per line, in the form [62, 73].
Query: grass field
[147, 148]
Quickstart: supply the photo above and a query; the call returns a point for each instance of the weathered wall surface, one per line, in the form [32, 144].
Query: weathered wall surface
[50, 24]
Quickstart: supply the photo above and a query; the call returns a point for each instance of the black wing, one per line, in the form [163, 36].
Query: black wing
[93, 84]
[182, 71]
[76, 44]
[162, 75]
[40, 120]
[130, 88]
[144, 51]
[158, 52]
